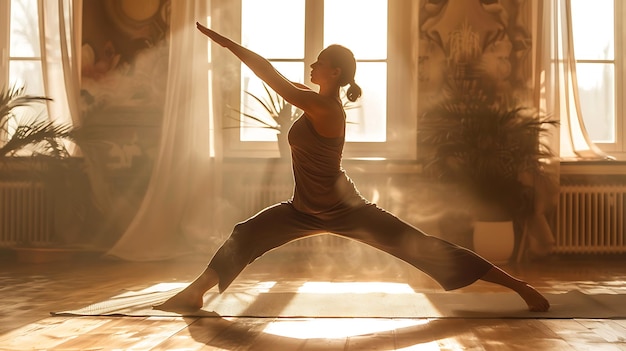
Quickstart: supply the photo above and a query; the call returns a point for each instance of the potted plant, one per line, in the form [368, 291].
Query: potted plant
[277, 114]
[492, 151]
[32, 149]
[43, 137]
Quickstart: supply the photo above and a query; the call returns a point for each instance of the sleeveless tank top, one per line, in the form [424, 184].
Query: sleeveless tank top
[321, 184]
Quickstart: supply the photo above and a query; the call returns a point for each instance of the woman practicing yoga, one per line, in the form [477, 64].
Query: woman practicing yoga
[326, 201]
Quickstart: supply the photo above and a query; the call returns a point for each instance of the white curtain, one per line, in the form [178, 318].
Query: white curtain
[60, 29]
[556, 94]
[176, 216]
[557, 72]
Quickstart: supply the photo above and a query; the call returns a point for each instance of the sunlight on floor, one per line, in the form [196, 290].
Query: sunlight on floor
[156, 288]
[307, 287]
[427, 346]
[432, 346]
[161, 287]
[264, 286]
[336, 328]
[342, 327]
[355, 288]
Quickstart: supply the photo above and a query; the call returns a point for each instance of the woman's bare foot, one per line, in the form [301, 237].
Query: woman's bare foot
[191, 298]
[185, 300]
[535, 301]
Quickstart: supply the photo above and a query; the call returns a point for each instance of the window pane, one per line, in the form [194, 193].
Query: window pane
[360, 25]
[593, 29]
[367, 116]
[251, 130]
[28, 74]
[24, 29]
[273, 28]
[597, 99]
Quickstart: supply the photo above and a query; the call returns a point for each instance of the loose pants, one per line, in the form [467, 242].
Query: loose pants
[450, 265]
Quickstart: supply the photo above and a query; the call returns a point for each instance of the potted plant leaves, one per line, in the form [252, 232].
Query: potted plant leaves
[275, 113]
[492, 150]
[33, 151]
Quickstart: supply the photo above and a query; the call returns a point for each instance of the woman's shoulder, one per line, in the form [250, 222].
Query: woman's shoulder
[329, 125]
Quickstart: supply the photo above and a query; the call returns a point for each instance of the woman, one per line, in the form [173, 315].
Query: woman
[325, 200]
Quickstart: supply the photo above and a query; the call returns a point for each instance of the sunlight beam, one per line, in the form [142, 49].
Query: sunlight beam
[314, 328]
[355, 288]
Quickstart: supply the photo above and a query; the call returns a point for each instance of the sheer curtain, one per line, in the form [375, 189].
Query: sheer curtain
[557, 72]
[61, 27]
[556, 94]
[176, 216]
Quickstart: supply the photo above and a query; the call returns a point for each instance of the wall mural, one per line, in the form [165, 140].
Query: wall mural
[124, 71]
[486, 38]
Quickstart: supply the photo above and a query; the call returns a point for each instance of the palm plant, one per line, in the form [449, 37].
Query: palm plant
[277, 114]
[36, 136]
[43, 137]
[281, 113]
[488, 147]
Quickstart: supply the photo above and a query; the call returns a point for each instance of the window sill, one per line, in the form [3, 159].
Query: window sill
[599, 167]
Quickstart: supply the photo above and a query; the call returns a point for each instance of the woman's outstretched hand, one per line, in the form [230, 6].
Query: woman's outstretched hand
[217, 38]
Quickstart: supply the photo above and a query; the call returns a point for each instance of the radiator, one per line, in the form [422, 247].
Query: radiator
[591, 219]
[25, 217]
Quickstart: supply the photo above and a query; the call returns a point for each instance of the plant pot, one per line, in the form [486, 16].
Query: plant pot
[283, 145]
[494, 241]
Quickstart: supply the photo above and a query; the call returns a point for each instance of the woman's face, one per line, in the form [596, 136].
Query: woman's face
[322, 71]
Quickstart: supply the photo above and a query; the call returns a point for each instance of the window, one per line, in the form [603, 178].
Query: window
[284, 48]
[293, 37]
[366, 122]
[598, 51]
[20, 61]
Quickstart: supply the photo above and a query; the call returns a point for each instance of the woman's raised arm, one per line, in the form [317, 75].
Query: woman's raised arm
[296, 94]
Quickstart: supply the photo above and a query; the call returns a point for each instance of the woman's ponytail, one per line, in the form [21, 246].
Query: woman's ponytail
[354, 91]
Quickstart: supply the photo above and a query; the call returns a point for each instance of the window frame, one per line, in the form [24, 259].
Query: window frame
[401, 87]
[618, 148]
[7, 58]
[5, 18]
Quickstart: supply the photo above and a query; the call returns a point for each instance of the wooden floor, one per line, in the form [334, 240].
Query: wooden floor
[28, 292]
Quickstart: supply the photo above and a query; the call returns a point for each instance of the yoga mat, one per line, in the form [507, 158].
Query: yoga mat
[573, 304]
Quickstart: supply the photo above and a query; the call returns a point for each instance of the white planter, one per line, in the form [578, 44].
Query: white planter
[494, 241]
